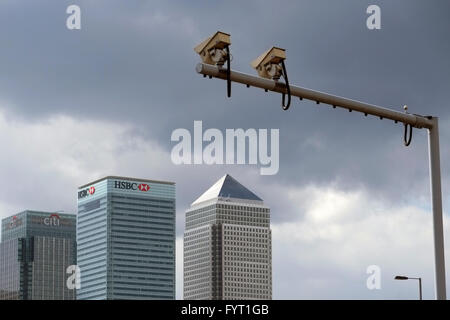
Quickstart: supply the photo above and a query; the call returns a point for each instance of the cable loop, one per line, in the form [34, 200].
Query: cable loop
[283, 105]
[228, 72]
[407, 141]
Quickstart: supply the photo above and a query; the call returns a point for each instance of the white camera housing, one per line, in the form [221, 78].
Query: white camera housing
[212, 50]
[268, 64]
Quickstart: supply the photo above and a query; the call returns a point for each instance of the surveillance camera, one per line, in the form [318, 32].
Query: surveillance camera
[271, 65]
[212, 50]
[268, 64]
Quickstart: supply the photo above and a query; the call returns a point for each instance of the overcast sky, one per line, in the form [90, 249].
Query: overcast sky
[77, 105]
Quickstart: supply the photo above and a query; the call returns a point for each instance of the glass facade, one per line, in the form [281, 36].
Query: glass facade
[52, 257]
[126, 239]
[36, 250]
[9, 270]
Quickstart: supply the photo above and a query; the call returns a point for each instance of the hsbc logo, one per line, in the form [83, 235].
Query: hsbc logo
[144, 187]
[86, 192]
[52, 220]
[131, 186]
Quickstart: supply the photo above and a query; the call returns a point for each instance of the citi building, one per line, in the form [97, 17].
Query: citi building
[36, 252]
[126, 239]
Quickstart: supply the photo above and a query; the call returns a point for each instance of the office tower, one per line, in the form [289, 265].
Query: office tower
[126, 239]
[35, 252]
[227, 245]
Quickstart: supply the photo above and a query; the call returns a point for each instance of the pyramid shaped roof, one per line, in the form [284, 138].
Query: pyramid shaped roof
[227, 187]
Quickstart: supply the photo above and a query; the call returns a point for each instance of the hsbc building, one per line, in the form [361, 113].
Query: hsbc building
[126, 239]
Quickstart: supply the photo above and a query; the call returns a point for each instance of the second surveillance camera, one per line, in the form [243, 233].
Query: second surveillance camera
[212, 50]
[268, 64]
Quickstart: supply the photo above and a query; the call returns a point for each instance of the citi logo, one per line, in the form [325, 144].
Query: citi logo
[52, 220]
[131, 186]
[86, 192]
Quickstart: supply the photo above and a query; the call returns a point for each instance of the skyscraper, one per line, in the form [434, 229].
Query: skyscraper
[228, 245]
[35, 252]
[126, 239]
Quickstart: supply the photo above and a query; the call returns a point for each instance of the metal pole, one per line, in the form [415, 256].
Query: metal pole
[335, 101]
[420, 288]
[436, 204]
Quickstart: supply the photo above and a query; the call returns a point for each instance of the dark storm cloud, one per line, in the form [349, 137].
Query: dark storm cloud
[133, 61]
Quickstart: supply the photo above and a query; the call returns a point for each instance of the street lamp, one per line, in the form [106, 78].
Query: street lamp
[411, 278]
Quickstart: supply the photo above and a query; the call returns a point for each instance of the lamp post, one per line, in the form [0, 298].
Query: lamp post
[411, 278]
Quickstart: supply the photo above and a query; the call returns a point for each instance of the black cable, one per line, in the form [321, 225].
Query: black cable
[228, 72]
[283, 105]
[407, 142]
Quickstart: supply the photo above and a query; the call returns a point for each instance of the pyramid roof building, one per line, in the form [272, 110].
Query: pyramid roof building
[227, 187]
